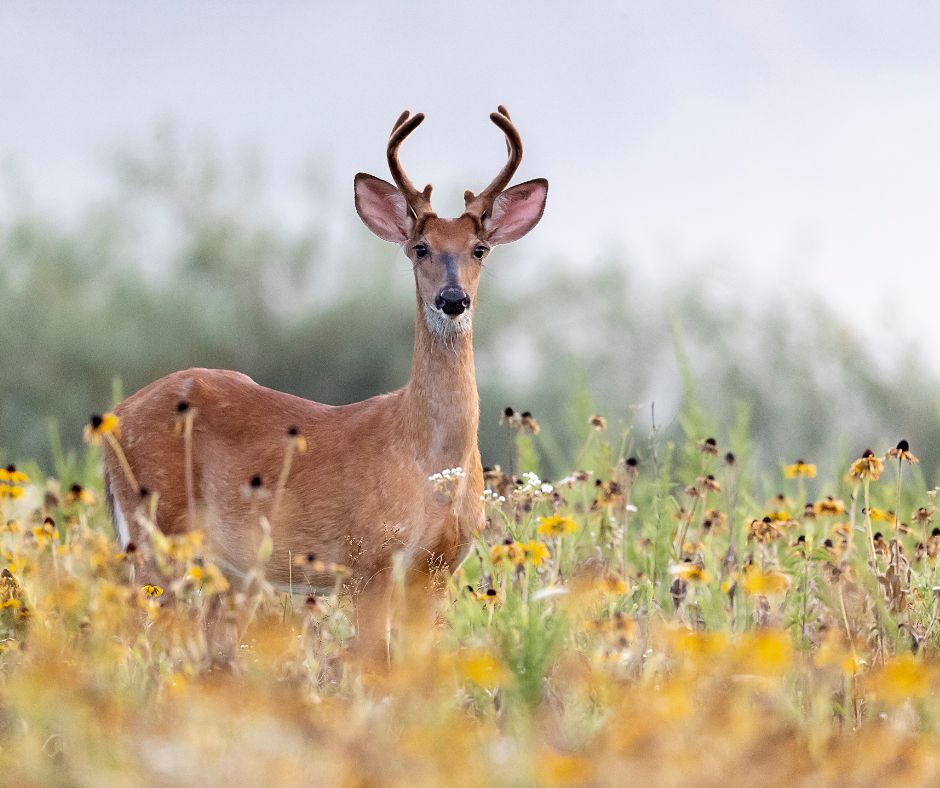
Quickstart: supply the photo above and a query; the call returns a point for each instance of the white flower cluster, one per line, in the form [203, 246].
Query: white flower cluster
[447, 479]
[533, 486]
[489, 496]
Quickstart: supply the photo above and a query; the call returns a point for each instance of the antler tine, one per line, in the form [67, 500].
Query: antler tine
[418, 201]
[480, 204]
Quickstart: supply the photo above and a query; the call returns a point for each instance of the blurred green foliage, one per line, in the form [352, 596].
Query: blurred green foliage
[185, 264]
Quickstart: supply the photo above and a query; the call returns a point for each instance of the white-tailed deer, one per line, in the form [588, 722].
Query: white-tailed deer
[361, 493]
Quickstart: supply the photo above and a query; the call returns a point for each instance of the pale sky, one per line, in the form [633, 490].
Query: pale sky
[796, 142]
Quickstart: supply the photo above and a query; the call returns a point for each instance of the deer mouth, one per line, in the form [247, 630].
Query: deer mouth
[447, 323]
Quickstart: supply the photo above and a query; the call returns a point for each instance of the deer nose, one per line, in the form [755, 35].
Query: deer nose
[452, 301]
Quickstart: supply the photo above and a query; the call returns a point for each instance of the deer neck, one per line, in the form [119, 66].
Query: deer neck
[440, 400]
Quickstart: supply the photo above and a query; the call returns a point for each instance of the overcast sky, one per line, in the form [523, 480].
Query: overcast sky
[798, 141]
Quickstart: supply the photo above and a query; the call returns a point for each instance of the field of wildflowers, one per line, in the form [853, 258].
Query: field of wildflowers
[661, 614]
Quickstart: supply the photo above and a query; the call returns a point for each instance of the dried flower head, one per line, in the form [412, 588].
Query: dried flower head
[528, 423]
[708, 446]
[902, 453]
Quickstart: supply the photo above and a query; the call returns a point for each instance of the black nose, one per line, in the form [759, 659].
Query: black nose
[453, 301]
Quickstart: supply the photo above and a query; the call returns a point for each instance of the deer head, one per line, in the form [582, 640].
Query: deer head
[447, 254]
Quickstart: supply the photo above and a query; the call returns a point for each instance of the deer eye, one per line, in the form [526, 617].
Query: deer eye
[420, 251]
[479, 252]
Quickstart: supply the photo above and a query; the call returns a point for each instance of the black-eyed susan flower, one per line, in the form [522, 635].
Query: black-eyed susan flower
[880, 515]
[709, 483]
[528, 423]
[297, 439]
[689, 572]
[763, 531]
[867, 467]
[100, 425]
[10, 475]
[152, 591]
[10, 491]
[597, 423]
[631, 468]
[708, 446]
[924, 515]
[714, 520]
[800, 470]
[78, 494]
[556, 525]
[933, 544]
[829, 507]
[184, 416]
[488, 596]
[902, 453]
[535, 552]
[508, 552]
[881, 546]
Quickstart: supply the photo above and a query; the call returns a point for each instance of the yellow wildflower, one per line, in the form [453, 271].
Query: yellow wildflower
[700, 644]
[152, 591]
[45, 533]
[101, 424]
[489, 596]
[78, 494]
[829, 506]
[10, 491]
[12, 476]
[689, 572]
[901, 678]
[558, 768]
[765, 652]
[868, 466]
[765, 583]
[508, 551]
[611, 584]
[800, 469]
[778, 516]
[556, 525]
[535, 553]
[881, 515]
[482, 668]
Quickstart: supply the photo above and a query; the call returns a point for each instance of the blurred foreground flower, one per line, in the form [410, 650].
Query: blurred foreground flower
[800, 469]
[757, 582]
[901, 678]
[556, 525]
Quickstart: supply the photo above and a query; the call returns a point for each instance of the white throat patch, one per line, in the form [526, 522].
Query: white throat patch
[444, 325]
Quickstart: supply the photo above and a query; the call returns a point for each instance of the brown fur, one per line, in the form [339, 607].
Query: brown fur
[361, 493]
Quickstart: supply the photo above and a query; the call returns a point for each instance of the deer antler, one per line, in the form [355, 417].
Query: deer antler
[481, 204]
[418, 201]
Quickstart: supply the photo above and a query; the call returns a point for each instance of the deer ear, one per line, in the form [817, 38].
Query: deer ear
[516, 211]
[383, 208]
